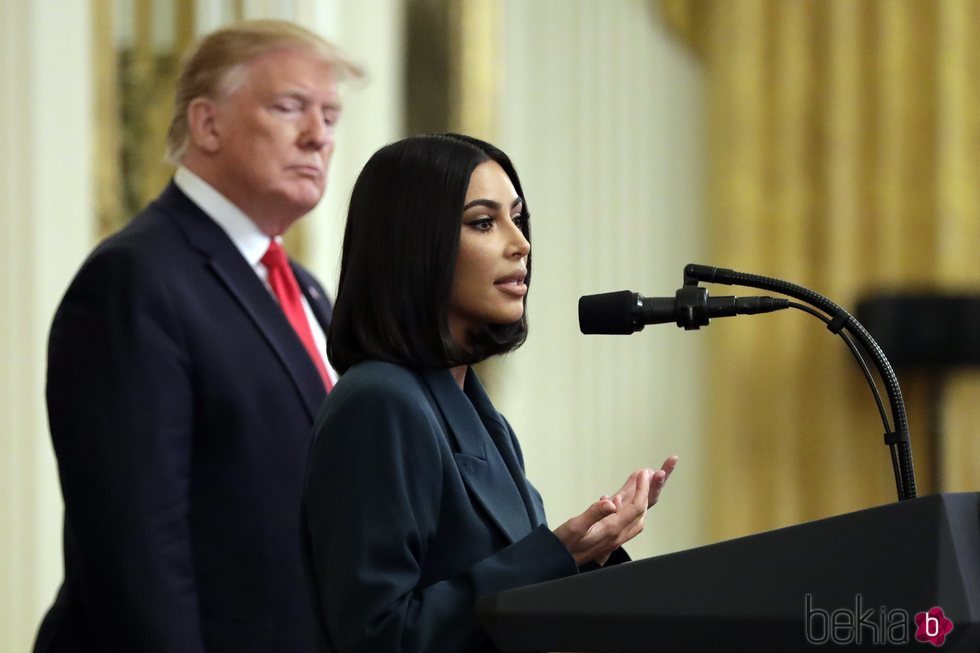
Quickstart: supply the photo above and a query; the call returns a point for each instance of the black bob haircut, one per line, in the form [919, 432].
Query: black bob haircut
[399, 257]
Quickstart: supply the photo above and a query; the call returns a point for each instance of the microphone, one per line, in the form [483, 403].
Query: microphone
[626, 312]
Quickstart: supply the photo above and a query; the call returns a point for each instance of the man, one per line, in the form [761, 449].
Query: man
[186, 363]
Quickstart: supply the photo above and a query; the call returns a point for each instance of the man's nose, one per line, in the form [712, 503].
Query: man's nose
[317, 133]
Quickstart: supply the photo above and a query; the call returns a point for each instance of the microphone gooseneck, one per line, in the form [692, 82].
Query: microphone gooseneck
[896, 436]
[625, 312]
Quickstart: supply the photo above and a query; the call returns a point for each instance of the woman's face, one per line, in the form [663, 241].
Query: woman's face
[488, 284]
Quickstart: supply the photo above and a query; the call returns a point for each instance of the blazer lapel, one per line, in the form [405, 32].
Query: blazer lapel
[241, 281]
[482, 467]
[501, 435]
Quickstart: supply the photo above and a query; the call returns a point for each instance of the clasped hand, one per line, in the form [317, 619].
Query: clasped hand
[612, 521]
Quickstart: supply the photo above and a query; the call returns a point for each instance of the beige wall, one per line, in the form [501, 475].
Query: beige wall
[600, 110]
[47, 221]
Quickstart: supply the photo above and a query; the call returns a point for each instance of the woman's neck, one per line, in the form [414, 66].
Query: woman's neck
[459, 373]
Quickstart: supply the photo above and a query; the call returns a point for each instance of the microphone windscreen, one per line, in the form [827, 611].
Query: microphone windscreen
[608, 313]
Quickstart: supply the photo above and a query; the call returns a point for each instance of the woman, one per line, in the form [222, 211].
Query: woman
[416, 501]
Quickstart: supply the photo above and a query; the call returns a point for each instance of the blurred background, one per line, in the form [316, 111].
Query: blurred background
[831, 143]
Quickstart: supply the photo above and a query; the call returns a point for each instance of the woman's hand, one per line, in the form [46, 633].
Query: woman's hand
[612, 521]
[656, 485]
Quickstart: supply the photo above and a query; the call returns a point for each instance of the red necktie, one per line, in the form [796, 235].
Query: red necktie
[283, 284]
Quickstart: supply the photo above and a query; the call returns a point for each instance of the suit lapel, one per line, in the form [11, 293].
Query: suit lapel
[483, 469]
[240, 279]
[319, 303]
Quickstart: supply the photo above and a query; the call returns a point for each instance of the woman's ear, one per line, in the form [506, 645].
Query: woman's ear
[202, 120]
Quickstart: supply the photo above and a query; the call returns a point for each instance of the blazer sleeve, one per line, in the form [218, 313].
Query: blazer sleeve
[374, 486]
[120, 411]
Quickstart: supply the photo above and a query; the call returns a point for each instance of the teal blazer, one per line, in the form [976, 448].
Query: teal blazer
[416, 504]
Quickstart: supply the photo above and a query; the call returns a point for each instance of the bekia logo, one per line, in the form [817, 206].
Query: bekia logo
[932, 626]
[882, 626]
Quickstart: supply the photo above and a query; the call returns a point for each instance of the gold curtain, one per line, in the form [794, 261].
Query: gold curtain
[452, 83]
[844, 152]
[135, 78]
[134, 82]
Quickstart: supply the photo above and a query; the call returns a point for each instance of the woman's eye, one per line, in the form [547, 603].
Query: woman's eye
[520, 220]
[482, 224]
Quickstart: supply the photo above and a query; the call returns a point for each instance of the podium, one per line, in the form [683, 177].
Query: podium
[851, 582]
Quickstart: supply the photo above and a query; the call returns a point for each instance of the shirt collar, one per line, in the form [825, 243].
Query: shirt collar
[251, 241]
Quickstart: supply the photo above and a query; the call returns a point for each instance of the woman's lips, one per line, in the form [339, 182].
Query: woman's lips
[513, 285]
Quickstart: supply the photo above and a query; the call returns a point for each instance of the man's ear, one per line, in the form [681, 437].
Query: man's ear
[202, 120]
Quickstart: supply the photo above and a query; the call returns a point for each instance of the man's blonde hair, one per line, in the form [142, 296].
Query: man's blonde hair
[217, 65]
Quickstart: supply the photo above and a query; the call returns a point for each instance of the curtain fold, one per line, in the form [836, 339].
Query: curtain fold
[136, 65]
[844, 151]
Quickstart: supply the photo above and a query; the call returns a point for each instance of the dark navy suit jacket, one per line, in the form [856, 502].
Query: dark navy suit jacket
[416, 504]
[181, 404]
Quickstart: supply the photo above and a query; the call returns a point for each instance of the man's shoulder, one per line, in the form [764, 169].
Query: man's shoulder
[149, 247]
[161, 233]
[154, 227]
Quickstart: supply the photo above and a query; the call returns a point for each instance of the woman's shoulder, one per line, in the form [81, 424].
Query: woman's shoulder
[380, 398]
[380, 374]
[378, 382]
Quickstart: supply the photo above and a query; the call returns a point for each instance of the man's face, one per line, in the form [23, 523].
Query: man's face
[276, 134]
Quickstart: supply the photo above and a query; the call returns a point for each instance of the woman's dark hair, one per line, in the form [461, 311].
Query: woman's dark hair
[399, 257]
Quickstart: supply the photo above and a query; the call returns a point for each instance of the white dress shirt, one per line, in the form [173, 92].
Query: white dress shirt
[248, 238]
